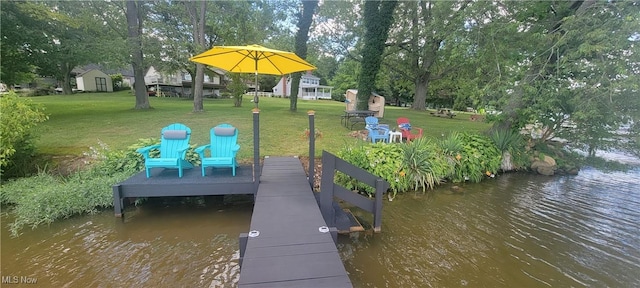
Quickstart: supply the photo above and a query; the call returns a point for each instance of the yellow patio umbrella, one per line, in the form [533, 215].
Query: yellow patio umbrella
[253, 59]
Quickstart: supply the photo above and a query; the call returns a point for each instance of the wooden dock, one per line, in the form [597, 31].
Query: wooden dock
[165, 182]
[289, 244]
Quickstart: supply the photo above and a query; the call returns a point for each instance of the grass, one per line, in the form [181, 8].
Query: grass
[77, 122]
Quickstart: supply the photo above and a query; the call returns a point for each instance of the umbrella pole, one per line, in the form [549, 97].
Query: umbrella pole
[255, 90]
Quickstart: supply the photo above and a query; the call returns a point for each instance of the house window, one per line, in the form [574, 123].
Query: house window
[101, 84]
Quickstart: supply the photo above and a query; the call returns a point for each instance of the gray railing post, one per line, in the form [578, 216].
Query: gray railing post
[326, 189]
[312, 147]
[334, 234]
[242, 241]
[118, 204]
[377, 206]
[256, 150]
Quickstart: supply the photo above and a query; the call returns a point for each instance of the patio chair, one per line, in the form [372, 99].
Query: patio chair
[173, 150]
[223, 148]
[376, 131]
[405, 128]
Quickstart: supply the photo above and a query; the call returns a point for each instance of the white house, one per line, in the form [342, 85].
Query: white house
[94, 80]
[309, 89]
[180, 82]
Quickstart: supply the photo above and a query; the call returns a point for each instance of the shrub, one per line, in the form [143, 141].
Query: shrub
[44, 198]
[451, 145]
[511, 141]
[479, 157]
[425, 164]
[237, 88]
[19, 117]
[380, 159]
[418, 164]
[129, 160]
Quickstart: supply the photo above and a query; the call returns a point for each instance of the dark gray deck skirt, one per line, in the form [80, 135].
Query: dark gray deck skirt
[165, 182]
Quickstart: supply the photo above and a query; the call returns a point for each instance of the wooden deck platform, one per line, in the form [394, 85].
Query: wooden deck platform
[289, 244]
[165, 182]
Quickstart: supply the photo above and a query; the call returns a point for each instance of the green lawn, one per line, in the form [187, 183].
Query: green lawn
[77, 122]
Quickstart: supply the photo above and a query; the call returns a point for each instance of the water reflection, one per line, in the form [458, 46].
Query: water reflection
[516, 230]
[182, 246]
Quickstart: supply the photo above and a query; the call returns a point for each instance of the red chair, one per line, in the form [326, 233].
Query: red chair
[405, 129]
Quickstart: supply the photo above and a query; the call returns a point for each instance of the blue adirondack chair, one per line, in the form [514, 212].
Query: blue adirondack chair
[376, 131]
[223, 148]
[173, 149]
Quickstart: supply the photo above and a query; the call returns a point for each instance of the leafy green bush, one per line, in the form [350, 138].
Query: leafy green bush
[237, 88]
[19, 117]
[380, 159]
[423, 164]
[414, 165]
[130, 160]
[479, 157]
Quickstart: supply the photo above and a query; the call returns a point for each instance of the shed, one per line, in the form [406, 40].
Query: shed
[376, 102]
[94, 80]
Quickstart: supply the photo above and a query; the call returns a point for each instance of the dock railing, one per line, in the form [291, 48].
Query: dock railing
[329, 189]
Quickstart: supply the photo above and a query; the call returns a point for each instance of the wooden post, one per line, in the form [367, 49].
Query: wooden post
[312, 147]
[377, 206]
[256, 150]
[118, 204]
[242, 241]
[326, 191]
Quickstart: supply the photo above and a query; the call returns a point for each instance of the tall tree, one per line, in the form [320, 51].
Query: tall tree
[20, 38]
[583, 67]
[51, 38]
[135, 16]
[378, 17]
[428, 42]
[197, 17]
[77, 39]
[225, 23]
[346, 78]
[302, 36]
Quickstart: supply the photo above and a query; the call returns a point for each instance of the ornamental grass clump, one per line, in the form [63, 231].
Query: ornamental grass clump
[425, 164]
[45, 198]
[512, 146]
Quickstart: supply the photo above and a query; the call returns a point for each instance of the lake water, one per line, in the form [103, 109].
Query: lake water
[516, 230]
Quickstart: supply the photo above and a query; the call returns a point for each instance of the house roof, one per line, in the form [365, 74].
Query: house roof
[310, 76]
[85, 72]
[125, 71]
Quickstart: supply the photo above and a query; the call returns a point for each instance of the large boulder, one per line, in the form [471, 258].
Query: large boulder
[549, 160]
[546, 166]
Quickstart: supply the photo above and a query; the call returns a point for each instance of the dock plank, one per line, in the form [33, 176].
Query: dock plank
[328, 282]
[290, 250]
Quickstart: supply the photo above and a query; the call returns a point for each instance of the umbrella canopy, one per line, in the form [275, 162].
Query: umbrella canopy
[253, 59]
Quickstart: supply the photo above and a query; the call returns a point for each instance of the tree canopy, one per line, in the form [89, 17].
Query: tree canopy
[570, 66]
